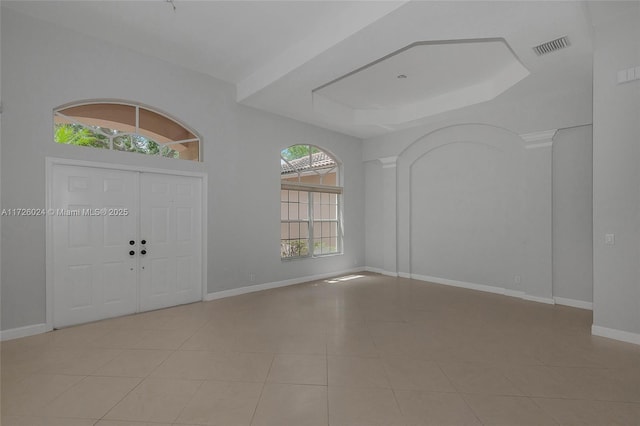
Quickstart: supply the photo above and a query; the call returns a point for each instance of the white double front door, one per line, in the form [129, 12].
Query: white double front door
[123, 242]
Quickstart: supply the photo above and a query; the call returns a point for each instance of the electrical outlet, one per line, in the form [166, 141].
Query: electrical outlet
[610, 239]
[252, 277]
[517, 279]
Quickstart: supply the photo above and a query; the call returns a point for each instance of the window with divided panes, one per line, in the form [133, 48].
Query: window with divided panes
[124, 127]
[310, 198]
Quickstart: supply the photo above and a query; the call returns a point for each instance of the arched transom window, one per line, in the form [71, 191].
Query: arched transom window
[124, 127]
[310, 198]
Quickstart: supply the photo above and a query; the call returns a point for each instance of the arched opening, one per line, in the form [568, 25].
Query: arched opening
[124, 127]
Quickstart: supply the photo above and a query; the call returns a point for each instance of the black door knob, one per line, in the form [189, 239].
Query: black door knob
[143, 242]
[131, 242]
[131, 253]
[143, 252]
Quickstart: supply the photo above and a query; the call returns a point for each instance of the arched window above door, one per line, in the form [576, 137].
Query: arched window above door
[125, 127]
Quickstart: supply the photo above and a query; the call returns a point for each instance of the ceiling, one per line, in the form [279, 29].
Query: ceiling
[422, 70]
[277, 53]
[420, 80]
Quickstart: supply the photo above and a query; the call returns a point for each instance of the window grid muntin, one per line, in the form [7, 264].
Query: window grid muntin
[330, 242]
[321, 170]
[161, 152]
[326, 224]
[321, 225]
[294, 211]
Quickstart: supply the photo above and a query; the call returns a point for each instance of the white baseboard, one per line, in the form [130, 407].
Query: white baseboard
[28, 330]
[484, 287]
[612, 333]
[404, 274]
[267, 286]
[462, 284]
[514, 293]
[547, 300]
[380, 271]
[573, 303]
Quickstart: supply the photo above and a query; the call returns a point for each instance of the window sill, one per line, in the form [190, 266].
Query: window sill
[318, 256]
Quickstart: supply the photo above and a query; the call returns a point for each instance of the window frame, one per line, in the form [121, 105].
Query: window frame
[57, 112]
[314, 220]
[313, 217]
[298, 221]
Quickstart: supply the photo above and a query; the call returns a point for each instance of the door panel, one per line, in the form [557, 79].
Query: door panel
[94, 276]
[171, 224]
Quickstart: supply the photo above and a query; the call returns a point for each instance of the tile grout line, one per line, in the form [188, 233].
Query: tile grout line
[555, 419]
[393, 391]
[326, 363]
[64, 392]
[264, 383]
[187, 403]
[121, 399]
[476, 415]
[143, 379]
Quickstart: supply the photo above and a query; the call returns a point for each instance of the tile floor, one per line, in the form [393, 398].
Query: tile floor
[371, 351]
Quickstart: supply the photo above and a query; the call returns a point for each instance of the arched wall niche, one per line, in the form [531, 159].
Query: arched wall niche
[472, 207]
[460, 193]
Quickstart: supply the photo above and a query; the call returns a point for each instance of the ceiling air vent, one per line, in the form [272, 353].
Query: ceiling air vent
[552, 46]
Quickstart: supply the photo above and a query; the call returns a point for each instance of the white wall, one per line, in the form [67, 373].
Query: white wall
[540, 111]
[529, 216]
[466, 214]
[44, 66]
[505, 246]
[480, 211]
[616, 177]
[0, 164]
[374, 239]
[573, 214]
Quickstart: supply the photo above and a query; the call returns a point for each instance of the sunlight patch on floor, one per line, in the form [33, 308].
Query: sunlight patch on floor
[342, 279]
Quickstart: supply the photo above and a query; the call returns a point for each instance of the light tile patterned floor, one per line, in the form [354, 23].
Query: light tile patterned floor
[371, 351]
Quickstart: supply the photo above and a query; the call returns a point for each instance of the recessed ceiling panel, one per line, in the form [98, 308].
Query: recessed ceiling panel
[422, 79]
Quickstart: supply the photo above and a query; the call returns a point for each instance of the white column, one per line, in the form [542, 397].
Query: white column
[537, 277]
[389, 215]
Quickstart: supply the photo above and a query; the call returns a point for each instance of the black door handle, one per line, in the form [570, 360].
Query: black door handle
[143, 242]
[143, 252]
[131, 242]
[131, 253]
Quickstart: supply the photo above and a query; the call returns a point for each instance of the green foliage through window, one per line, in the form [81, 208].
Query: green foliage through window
[124, 127]
[298, 151]
[293, 248]
[76, 134]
